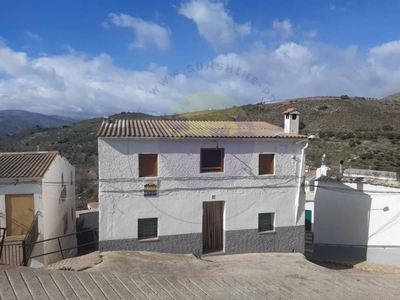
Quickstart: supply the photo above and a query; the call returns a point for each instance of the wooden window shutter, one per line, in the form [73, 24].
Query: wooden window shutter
[266, 164]
[148, 165]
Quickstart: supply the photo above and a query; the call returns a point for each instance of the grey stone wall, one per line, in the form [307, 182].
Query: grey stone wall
[284, 239]
[87, 219]
[179, 244]
[351, 254]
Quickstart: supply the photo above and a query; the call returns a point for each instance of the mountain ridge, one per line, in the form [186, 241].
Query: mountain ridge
[14, 120]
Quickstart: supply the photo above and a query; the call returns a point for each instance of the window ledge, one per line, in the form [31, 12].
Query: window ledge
[148, 240]
[267, 232]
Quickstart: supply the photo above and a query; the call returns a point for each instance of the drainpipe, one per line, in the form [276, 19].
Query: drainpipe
[297, 201]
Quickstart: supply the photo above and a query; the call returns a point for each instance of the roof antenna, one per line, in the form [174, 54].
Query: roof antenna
[259, 109]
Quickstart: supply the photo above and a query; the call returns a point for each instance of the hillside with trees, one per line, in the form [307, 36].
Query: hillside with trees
[364, 133]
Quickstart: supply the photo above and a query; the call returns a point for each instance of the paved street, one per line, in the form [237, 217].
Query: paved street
[147, 276]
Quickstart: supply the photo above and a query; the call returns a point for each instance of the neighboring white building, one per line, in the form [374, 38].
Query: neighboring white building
[42, 185]
[193, 187]
[357, 216]
[309, 206]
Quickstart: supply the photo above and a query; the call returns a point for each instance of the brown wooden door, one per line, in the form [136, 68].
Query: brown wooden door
[213, 225]
[19, 214]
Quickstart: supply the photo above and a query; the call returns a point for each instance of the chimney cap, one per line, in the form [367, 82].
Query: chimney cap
[106, 118]
[291, 111]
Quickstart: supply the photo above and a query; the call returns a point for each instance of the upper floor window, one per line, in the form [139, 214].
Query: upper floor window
[266, 164]
[211, 160]
[148, 165]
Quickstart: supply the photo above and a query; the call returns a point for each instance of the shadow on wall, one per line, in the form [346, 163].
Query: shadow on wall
[341, 222]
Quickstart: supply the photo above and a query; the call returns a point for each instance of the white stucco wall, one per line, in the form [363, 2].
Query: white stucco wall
[24, 186]
[55, 208]
[359, 214]
[183, 188]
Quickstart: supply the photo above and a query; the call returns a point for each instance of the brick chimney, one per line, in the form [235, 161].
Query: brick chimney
[291, 121]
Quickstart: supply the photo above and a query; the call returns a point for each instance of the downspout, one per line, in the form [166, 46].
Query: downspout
[301, 179]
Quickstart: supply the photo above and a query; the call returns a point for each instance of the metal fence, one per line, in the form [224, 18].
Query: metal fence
[2, 237]
[19, 252]
[61, 249]
[12, 253]
[31, 237]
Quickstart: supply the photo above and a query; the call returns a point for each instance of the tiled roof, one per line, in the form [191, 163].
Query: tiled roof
[25, 164]
[190, 129]
[290, 110]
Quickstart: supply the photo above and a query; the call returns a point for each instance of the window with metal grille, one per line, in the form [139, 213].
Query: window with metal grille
[211, 160]
[148, 165]
[147, 228]
[265, 222]
[266, 164]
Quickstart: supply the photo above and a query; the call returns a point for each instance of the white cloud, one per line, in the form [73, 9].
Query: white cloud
[310, 35]
[75, 83]
[214, 23]
[282, 29]
[333, 7]
[386, 49]
[32, 36]
[146, 33]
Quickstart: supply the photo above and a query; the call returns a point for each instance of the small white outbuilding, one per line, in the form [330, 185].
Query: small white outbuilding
[38, 189]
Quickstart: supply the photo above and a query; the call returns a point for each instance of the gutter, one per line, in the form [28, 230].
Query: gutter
[301, 181]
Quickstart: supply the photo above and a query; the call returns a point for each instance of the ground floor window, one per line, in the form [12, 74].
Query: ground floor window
[147, 228]
[265, 222]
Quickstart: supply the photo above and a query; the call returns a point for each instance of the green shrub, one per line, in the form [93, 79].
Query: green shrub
[387, 128]
[323, 107]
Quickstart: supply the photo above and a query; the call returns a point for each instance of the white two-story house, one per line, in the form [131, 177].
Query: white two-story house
[193, 186]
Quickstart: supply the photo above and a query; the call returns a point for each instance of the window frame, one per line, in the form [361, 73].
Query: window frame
[259, 165]
[212, 169]
[262, 230]
[146, 237]
[139, 164]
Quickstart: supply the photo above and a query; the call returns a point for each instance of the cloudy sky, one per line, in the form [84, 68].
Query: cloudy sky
[88, 58]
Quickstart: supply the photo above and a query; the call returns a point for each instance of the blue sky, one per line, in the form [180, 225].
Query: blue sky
[94, 57]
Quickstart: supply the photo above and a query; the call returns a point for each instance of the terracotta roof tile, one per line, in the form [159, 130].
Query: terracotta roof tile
[191, 129]
[289, 110]
[25, 164]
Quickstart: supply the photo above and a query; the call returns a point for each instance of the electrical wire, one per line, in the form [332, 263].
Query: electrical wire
[66, 198]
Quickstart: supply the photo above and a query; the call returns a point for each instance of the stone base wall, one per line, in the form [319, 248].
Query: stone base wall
[283, 239]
